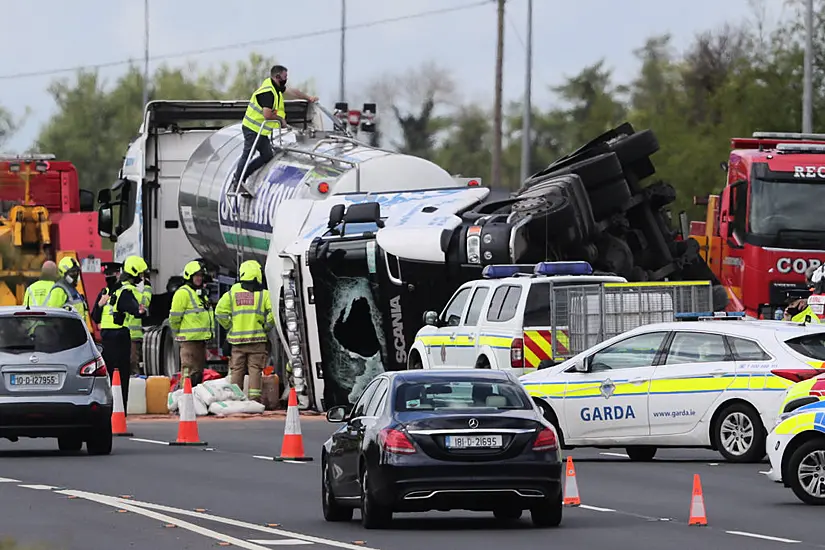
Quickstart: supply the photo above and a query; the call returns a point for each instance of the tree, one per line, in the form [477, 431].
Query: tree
[7, 126]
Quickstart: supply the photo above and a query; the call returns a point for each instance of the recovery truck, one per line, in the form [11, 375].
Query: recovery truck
[766, 228]
[359, 241]
[45, 215]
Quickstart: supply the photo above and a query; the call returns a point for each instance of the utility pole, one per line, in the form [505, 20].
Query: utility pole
[807, 90]
[145, 54]
[341, 89]
[526, 133]
[496, 176]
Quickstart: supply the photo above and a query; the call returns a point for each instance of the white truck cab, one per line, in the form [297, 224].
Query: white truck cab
[525, 317]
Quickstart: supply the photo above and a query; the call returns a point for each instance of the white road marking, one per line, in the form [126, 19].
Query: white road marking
[38, 487]
[620, 455]
[763, 537]
[228, 521]
[154, 442]
[263, 457]
[596, 508]
[765, 473]
[203, 531]
[8, 480]
[280, 542]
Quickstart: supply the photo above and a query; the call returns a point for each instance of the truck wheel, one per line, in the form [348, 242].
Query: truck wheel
[738, 434]
[634, 153]
[806, 475]
[660, 193]
[169, 355]
[609, 198]
[595, 171]
[555, 209]
[615, 255]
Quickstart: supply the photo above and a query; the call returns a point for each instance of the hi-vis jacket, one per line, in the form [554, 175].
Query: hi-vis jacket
[61, 295]
[190, 317]
[38, 292]
[254, 117]
[247, 315]
[134, 323]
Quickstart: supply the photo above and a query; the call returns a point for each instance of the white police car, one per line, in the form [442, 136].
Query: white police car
[692, 383]
[519, 317]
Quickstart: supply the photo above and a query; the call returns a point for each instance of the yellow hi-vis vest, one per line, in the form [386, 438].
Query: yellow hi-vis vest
[38, 293]
[134, 323]
[61, 295]
[112, 318]
[254, 117]
[246, 315]
[189, 317]
[807, 312]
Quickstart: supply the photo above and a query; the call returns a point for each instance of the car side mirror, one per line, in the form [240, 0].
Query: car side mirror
[105, 221]
[337, 414]
[431, 318]
[581, 367]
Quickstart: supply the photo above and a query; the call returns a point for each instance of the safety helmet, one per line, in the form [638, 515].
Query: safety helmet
[135, 266]
[250, 271]
[191, 269]
[67, 265]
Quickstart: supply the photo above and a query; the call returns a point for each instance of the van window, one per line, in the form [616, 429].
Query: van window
[474, 311]
[537, 307]
[452, 313]
[810, 345]
[504, 303]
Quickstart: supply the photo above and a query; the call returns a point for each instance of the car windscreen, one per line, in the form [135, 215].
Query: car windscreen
[41, 333]
[460, 394]
[810, 345]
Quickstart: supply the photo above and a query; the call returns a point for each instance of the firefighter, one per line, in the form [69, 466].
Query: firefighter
[144, 289]
[266, 108]
[117, 306]
[36, 294]
[815, 277]
[246, 312]
[64, 292]
[192, 321]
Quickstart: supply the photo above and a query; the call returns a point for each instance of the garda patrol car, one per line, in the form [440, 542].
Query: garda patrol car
[693, 383]
[521, 317]
[796, 448]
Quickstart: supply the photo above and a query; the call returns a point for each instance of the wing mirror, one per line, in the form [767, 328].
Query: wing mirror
[337, 414]
[580, 367]
[431, 318]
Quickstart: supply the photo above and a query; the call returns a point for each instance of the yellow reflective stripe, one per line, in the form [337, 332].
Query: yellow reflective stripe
[796, 424]
[495, 341]
[657, 283]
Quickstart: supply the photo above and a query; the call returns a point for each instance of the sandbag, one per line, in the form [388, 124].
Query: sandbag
[174, 403]
[269, 392]
[225, 408]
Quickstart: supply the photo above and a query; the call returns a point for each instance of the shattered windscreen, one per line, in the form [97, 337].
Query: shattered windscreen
[354, 344]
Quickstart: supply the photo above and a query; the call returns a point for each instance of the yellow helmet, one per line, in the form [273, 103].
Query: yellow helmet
[135, 266]
[191, 269]
[66, 265]
[251, 271]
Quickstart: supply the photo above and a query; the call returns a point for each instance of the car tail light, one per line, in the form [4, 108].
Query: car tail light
[96, 367]
[546, 441]
[797, 375]
[396, 441]
[818, 389]
[517, 353]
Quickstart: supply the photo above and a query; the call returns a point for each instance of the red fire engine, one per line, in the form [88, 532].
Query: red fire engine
[45, 215]
[767, 226]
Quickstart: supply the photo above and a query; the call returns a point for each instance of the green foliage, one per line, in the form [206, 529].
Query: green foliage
[9, 544]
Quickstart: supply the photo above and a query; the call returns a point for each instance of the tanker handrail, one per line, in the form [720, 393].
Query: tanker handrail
[312, 154]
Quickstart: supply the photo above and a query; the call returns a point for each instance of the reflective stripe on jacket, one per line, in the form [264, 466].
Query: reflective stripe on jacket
[112, 318]
[254, 117]
[38, 293]
[62, 295]
[246, 315]
[134, 323]
[807, 312]
[189, 317]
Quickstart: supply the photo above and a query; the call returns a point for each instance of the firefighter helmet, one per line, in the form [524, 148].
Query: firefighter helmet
[135, 266]
[68, 265]
[251, 271]
[191, 269]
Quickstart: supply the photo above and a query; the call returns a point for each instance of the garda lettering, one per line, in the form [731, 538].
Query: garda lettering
[809, 171]
[798, 265]
[601, 414]
[398, 331]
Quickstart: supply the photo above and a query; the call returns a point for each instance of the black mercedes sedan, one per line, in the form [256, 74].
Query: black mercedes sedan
[457, 439]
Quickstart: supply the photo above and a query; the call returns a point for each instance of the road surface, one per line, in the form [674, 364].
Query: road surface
[148, 495]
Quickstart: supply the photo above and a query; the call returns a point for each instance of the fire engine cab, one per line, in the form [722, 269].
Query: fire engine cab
[767, 227]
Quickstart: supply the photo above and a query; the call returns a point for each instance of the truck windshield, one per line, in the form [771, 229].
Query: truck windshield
[791, 206]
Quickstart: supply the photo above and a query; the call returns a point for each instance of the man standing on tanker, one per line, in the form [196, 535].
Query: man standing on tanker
[266, 109]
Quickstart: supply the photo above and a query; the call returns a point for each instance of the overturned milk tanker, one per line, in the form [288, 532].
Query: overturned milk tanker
[358, 241]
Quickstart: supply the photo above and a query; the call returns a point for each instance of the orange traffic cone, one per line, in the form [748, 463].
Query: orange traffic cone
[118, 410]
[571, 487]
[293, 445]
[188, 425]
[697, 504]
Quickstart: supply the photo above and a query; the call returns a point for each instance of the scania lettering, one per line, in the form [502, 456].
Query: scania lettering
[766, 228]
[606, 414]
[398, 330]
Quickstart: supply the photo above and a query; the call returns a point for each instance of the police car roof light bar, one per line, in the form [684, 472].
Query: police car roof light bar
[563, 268]
[710, 316]
[501, 271]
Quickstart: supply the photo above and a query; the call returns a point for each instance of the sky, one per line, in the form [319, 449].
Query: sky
[567, 36]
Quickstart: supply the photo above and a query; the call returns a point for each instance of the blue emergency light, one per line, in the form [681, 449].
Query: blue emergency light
[563, 268]
[710, 315]
[502, 271]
